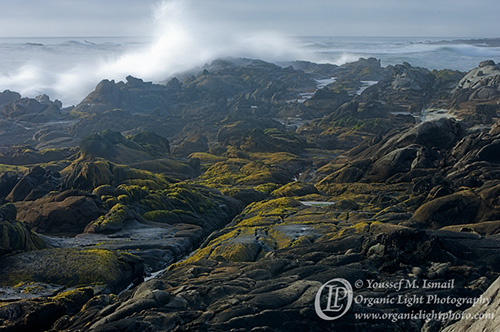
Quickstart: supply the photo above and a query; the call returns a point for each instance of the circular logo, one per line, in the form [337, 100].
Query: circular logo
[333, 299]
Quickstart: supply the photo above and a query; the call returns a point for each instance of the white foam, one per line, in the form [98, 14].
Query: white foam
[182, 38]
[365, 85]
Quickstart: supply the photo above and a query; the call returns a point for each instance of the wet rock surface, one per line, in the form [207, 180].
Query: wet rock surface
[226, 198]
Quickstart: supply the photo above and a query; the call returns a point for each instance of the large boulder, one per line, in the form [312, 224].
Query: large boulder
[459, 208]
[441, 133]
[490, 152]
[66, 213]
[480, 84]
[35, 184]
[485, 316]
[72, 267]
[397, 161]
[14, 235]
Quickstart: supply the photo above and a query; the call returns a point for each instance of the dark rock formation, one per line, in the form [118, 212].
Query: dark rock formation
[16, 236]
[65, 213]
[274, 187]
[277, 292]
[72, 267]
[35, 184]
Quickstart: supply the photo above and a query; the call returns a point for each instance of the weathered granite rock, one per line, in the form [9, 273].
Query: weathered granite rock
[481, 317]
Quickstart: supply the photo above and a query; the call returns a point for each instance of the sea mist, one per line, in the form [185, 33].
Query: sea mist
[184, 34]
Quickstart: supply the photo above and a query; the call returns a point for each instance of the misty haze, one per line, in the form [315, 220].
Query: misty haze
[233, 166]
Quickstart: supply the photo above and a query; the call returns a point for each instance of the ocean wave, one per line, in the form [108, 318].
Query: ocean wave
[182, 40]
[374, 48]
[473, 51]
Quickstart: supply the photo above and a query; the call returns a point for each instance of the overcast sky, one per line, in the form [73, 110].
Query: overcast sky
[440, 18]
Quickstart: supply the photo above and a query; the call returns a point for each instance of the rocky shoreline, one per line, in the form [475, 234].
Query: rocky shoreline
[252, 186]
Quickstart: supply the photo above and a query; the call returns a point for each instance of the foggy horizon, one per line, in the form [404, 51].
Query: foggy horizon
[178, 35]
[382, 18]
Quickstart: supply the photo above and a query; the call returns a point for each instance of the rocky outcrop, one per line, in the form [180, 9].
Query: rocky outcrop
[277, 292]
[32, 110]
[407, 152]
[39, 316]
[72, 267]
[65, 213]
[481, 317]
[33, 185]
[480, 83]
[277, 196]
[15, 236]
[407, 88]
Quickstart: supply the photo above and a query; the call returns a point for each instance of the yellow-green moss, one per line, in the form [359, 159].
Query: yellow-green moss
[237, 252]
[113, 220]
[207, 157]
[65, 266]
[15, 236]
[12, 168]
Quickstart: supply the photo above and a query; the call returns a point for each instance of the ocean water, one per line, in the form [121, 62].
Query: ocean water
[69, 68]
[431, 53]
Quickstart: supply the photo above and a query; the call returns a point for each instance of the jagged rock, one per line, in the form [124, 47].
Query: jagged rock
[485, 75]
[481, 83]
[31, 110]
[35, 184]
[8, 97]
[407, 88]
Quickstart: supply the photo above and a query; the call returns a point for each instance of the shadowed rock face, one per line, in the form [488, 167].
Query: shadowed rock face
[277, 292]
[250, 198]
[16, 236]
[35, 184]
[65, 213]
